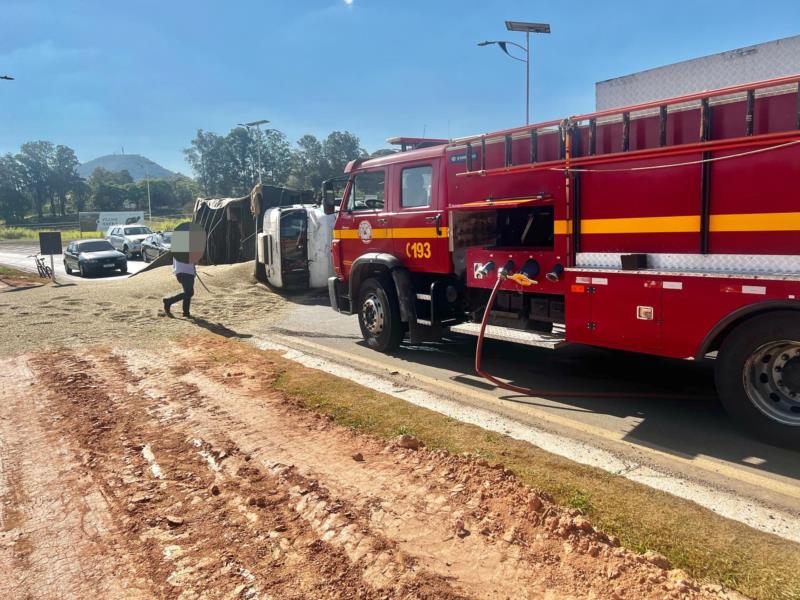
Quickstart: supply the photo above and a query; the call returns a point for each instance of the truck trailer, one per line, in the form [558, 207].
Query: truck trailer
[670, 228]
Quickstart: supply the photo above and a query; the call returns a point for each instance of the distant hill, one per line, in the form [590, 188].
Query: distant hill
[135, 164]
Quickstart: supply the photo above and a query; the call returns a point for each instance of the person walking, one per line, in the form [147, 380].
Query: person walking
[185, 274]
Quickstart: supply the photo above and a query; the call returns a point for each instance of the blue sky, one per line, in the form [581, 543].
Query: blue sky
[99, 75]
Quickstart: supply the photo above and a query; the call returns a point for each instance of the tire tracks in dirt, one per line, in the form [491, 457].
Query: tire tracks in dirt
[198, 479]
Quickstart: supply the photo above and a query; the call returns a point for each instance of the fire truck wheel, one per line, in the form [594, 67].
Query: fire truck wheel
[758, 377]
[379, 315]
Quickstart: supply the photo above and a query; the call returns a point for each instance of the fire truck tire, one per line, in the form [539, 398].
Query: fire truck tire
[758, 377]
[379, 315]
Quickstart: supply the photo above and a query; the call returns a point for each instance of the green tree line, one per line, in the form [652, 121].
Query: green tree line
[228, 165]
[42, 178]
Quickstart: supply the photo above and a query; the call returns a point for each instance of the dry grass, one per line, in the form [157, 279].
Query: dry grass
[25, 233]
[709, 547]
[68, 235]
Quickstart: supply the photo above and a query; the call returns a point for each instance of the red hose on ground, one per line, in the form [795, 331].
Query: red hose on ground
[533, 392]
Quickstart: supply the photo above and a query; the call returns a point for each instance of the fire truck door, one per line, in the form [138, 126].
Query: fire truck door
[420, 221]
[364, 224]
[626, 311]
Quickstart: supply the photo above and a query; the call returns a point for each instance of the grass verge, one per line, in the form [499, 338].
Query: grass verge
[709, 547]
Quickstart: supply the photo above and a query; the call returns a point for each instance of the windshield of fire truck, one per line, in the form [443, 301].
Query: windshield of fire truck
[367, 192]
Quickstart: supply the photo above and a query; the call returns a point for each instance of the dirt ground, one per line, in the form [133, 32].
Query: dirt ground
[130, 312]
[150, 460]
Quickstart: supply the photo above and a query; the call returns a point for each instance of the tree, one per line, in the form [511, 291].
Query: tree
[186, 191]
[383, 152]
[316, 161]
[208, 158]
[64, 175]
[36, 159]
[80, 194]
[310, 168]
[14, 202]
[276, 158]
[228, 166]
[340, 147]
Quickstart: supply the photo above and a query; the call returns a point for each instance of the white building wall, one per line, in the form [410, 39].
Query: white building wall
[754, 63]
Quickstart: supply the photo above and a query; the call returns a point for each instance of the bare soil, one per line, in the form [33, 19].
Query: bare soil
[179, 471]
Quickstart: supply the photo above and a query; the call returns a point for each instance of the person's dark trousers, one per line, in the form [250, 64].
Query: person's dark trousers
[187, 281]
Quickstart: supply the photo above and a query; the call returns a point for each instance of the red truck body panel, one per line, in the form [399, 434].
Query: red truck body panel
[721, 235]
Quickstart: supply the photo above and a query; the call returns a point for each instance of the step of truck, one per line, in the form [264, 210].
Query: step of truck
[517, 336]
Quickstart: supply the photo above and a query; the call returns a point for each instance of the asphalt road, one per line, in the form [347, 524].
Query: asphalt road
[17, 255]
[686, 433]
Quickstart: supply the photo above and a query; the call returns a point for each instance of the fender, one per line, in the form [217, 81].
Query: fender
[724, 325]
[371, 262]
[384, 263]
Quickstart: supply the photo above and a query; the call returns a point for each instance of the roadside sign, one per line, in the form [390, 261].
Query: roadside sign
[101, 221]
[50, 242]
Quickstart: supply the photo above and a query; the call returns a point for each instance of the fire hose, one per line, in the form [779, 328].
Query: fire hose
[522, 279]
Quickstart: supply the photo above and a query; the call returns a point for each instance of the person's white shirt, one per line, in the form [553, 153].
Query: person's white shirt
[179, 267]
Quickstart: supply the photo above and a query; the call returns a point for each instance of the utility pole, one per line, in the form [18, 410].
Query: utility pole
[257, 125]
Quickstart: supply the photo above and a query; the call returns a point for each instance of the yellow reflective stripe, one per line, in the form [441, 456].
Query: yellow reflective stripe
[345, 234]
[642, 225]
[787, 221]
[397, 232]
[418, 232]
[562, 227]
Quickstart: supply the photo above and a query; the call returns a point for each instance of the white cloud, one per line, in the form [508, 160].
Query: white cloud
[349, 2]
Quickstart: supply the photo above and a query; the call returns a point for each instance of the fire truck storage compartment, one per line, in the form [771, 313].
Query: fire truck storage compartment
[523, 235]
[529, 227]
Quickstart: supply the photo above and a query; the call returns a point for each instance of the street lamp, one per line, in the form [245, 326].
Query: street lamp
[528, 28]
[257, 125]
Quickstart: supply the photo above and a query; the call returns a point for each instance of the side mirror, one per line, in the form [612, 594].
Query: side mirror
[328, 198]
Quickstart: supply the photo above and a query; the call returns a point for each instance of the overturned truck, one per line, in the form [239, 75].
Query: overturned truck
[282, 229]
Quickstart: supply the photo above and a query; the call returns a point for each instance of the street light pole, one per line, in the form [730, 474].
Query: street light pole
[257, 125]
[528, 28]
[527, 77]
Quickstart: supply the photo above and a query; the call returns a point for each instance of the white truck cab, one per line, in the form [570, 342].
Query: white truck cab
[294, 246]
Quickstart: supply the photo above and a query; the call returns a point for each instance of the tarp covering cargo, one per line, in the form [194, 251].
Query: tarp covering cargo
[230, 223]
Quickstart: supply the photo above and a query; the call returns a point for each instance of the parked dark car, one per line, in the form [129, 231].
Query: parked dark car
[155, 245]
[93, 256]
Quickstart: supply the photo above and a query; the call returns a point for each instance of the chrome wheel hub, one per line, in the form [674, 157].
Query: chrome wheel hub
[772, 381]
[373, 314]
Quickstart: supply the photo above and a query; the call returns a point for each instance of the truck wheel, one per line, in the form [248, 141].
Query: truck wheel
[379, 315]
[758, 377]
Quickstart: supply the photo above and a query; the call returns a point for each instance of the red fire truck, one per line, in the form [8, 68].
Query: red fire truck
[670, 228]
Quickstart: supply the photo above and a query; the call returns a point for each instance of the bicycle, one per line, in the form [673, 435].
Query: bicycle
[44, 271]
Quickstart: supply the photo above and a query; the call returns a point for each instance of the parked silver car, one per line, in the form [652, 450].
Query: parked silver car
[128, 238]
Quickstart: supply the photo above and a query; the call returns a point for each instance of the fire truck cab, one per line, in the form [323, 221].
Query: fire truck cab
[670, 228]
